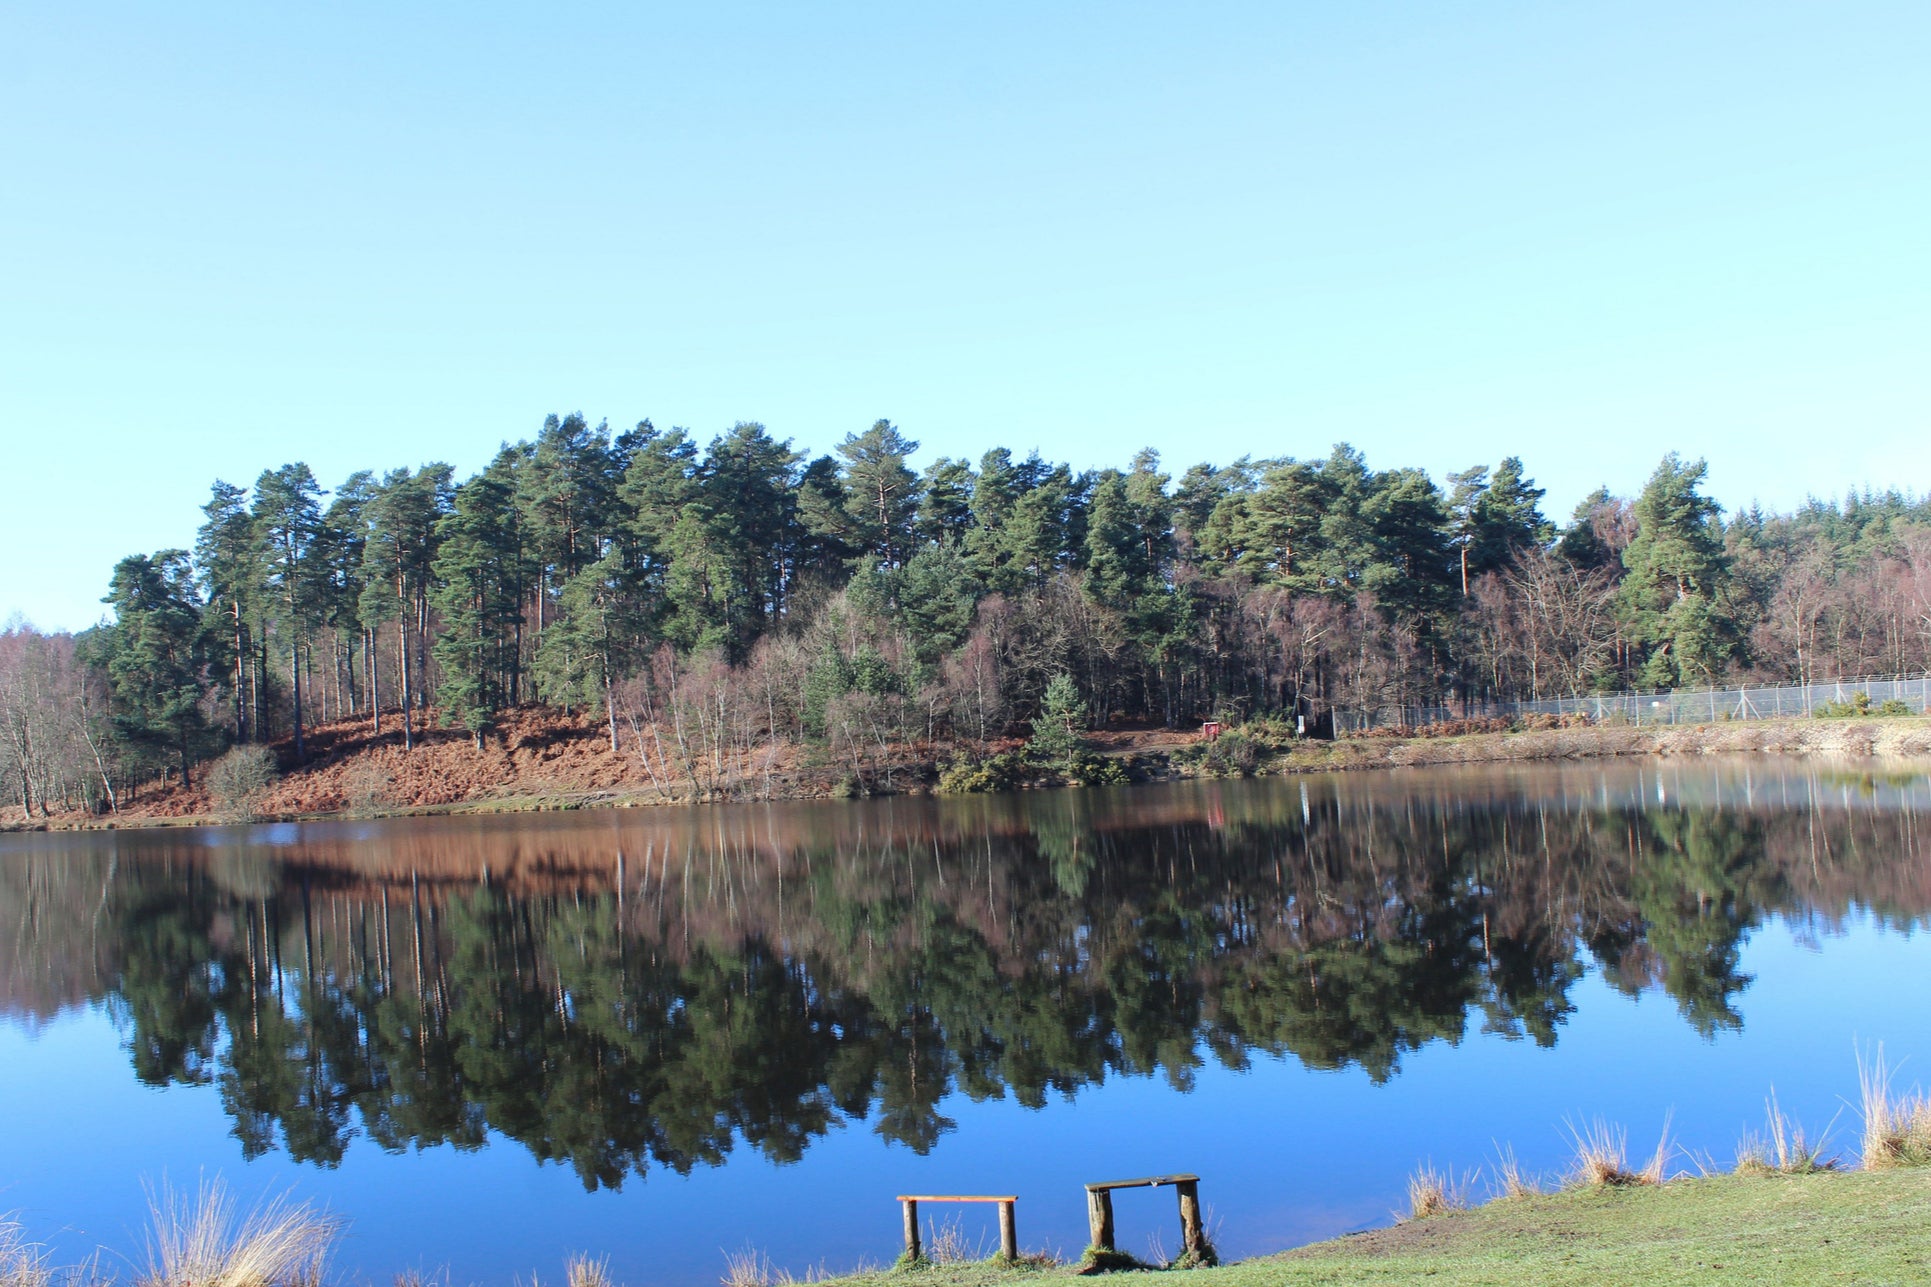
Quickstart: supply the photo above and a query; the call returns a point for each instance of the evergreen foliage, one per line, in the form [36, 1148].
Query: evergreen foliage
[867, 604]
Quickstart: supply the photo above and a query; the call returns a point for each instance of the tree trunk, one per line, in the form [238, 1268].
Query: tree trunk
[402, 668]
[241, 687]
[295, 679]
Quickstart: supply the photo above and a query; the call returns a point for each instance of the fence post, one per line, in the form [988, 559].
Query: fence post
[1099, 1218]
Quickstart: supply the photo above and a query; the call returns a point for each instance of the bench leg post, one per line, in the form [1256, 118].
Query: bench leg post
[911, 1230]
[1099, 1217]
[1193, 1236]
[1008, 1232]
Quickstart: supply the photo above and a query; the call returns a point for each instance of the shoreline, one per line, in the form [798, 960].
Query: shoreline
[1148, 755]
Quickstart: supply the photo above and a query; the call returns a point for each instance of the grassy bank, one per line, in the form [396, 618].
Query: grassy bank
[1886, 739]
[1826, 1227]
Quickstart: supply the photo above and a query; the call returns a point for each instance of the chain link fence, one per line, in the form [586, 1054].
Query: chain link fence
[1887, 693]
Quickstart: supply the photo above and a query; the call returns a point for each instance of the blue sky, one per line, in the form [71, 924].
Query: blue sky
[372, 235]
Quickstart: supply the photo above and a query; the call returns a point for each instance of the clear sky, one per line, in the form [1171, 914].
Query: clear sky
[369, 235]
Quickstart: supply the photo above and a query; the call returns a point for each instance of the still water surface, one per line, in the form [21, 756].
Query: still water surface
[664, 1035]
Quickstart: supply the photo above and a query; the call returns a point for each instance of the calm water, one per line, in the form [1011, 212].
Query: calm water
[664, 1035]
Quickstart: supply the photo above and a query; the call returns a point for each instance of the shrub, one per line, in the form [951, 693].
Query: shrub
[1091, 769]
[1233, 754]
[239, 781]
[969, 774]
[1860, 705]
[368, 788]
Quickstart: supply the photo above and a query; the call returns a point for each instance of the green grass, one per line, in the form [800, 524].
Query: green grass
[1855, 1227]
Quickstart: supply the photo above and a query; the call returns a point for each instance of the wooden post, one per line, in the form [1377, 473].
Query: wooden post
[911, 1228]
[1008, 1231]
[1099, 1217]
[1193, 1238]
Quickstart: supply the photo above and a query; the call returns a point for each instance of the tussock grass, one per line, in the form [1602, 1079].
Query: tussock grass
[22, 1263]
[583, 1270]
[1433, 1192]
[206, 1240]
[1656, 1170]
[1602, 1156]
[1897, 1125]
[1783, 1148]
[750, 1267]
[1511, 1181]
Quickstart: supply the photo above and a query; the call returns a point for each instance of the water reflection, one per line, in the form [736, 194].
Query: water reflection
[622, 991]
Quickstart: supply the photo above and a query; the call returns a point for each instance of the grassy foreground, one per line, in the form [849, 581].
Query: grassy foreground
[1865, 1227]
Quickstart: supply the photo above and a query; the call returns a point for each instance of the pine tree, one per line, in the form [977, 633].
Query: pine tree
[1056, 740]
[1279, 527]
[1677, 571]
[881, 493]
[477, 592]
[228, 555]
[400, 518]
[288, 519]
[155, 656]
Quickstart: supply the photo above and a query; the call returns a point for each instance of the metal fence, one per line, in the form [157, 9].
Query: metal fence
[1677, 706]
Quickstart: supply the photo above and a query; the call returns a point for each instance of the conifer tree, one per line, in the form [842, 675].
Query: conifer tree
[881, 493]
[1677, 569]
[477, 591]
[288, 518]
[400, 517]
[154, 655]
[228, 556]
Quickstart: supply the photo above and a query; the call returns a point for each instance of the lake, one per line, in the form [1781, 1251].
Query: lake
[665, 1035]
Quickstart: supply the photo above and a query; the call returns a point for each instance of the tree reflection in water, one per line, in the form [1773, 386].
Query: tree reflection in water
[615, 994]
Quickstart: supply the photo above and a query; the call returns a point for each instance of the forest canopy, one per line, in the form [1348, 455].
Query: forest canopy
[850, 597]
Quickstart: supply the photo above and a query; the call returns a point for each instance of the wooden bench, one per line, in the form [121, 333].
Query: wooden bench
[1193, 1237]
[1008, 1229]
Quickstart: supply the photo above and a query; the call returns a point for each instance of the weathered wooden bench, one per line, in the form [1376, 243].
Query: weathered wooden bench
[1193, 1237]
[1008, 1228]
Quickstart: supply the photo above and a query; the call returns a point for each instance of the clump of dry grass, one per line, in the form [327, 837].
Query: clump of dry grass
[748, 1267]
[1897, 1126]
[1510, 1180]
[22, 1263]
[582, 1270]
[1602, 1156]
[206, 1240]
[1433, 1192]
[1784, 1148]
[947, 1244]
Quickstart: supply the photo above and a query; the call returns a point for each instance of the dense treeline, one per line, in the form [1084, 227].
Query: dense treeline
[763, 987]
[740, 596]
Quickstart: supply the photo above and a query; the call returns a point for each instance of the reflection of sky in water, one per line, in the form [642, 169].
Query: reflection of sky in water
[1286, 1154]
